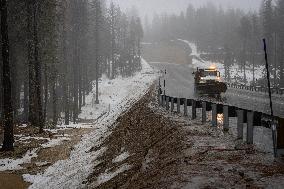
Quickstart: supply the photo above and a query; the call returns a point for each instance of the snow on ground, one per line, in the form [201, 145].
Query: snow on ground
[109, 175]
[51, 142]
[55, 142]
[15, 164]
[116, 96]
[235, 70]
[262, 136]
[121, 157]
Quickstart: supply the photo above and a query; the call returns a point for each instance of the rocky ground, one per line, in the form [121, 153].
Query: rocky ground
[152, 148]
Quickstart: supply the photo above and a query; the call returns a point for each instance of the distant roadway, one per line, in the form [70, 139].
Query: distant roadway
[180, 83]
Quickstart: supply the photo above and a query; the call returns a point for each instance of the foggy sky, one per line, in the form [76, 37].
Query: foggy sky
[150, 7]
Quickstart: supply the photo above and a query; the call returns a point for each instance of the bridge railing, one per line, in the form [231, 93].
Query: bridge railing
[251, 118]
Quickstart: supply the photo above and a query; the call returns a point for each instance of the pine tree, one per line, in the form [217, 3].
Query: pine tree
[8, 143]
[245, 33]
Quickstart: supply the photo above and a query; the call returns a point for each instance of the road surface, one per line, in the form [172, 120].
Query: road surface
[180, 83]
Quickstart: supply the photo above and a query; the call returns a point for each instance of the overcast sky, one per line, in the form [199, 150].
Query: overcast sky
[173, 6]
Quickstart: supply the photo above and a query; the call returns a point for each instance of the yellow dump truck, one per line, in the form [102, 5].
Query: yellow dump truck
[208, 82]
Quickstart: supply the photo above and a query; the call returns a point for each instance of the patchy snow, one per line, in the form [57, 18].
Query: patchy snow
[121, 157]
[116, 96]
[50, 142]
[40, 164]
[23, 126]
[55, 142]
[235, 70]
[24, 138]
[74, 126]
[109, 175]
[15, 164]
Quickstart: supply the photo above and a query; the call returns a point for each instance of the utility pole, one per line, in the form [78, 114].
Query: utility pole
[165, 82]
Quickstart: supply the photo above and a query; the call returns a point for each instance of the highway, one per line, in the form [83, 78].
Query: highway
[180, 83]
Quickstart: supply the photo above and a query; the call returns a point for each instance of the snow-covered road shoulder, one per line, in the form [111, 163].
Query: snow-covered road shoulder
[116, 97]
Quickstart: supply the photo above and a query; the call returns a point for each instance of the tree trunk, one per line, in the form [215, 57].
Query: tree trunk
[8, 110]
[32, 114]
[37, 66]
[45, 93]
[26, 99]
[75, 82]
[54, 97]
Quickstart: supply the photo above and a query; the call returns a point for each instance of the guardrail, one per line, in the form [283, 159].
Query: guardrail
[275, 90]
[251, 118]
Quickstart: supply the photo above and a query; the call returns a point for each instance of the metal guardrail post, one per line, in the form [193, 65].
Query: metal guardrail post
[214, 115]
[163, 101]
[226, 118]
[240, 123]
[250, 127]
[193, 109]
[167, 103]
[185, 107]
[204, 117]
[178, 105]
[172, 104]
[159, 99]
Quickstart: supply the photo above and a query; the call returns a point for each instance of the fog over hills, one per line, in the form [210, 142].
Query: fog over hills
[150, 7]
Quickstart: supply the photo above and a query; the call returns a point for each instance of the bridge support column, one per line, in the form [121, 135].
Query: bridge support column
[193, 109]
[204, 117]
[185, 107]
[250, 127]
[167, 103]
[214, 115]
[226, 118]
[172, 104]
[240, 123]
[178, 105]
